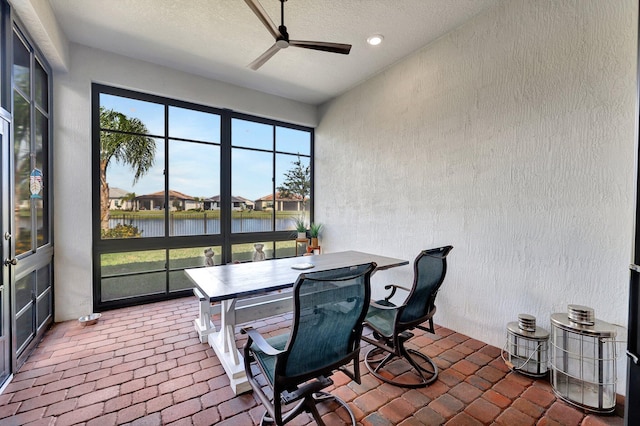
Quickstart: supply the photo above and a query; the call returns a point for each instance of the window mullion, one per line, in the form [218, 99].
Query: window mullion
[273, 181]
[225, 185]
[167, 207]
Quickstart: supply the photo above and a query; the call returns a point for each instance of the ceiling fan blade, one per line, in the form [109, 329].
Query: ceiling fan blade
[264, 18]
[341, 48]
[264, 57]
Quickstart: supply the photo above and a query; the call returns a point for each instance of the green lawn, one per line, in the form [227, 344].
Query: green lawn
[130, 274]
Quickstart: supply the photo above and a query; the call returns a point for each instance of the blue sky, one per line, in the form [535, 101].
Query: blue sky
[194, 167]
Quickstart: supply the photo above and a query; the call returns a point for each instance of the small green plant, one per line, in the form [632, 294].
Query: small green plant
[315, 229]
[299, 224]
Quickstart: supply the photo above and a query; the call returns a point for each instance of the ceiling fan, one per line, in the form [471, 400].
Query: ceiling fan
[282, 37]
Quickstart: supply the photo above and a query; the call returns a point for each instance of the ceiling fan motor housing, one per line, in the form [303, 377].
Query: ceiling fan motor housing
[283, 41]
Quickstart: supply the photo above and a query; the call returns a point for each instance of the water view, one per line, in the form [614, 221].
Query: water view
[199, 223]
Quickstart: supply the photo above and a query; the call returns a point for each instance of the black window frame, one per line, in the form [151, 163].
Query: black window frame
[226, 239]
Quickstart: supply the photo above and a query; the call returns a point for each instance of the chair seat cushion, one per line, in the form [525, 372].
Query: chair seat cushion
[382, 320]
[268, 362]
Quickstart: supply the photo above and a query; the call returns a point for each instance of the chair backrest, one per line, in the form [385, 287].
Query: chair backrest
[429, 268]
[329, 308]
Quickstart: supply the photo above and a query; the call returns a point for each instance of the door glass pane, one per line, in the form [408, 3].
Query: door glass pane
[251, 252]
[194, 125]
[293, 141]
[134, 273]
[22, 164]
[251, 182]
[25, 289]
[293, 188]
[43, 290]
[37, 178]
[21, 66]
[24, 328]
[4, 92]
[42, 87]
[135, 207]
[251, 135]
[43, 309]
[194, 178]
[43, 280]
[181, 259]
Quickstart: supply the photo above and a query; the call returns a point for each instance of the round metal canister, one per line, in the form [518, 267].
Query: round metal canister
[527, 346]
[583, 359]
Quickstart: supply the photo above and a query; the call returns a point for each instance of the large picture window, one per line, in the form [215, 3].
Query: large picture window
[179, 185]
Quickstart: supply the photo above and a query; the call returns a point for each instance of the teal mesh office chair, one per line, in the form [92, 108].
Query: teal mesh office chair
[389, 360]
[328, 313]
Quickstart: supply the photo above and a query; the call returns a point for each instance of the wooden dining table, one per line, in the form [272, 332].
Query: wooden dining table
[250, 291]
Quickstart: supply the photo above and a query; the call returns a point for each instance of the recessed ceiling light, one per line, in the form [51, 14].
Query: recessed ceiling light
[375, 39]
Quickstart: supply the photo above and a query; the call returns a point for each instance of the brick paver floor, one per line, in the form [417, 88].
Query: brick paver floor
[145, 366]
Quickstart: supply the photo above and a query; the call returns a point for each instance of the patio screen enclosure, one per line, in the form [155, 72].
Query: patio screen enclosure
[178, 185]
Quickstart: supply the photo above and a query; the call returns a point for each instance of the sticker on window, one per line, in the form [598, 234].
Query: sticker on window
[35, 183]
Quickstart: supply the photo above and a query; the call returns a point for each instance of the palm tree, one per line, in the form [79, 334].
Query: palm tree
[123, 140]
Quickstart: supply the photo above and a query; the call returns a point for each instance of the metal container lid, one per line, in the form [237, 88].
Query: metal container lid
[527, 322]
[581, 314]
[600, 329]
[536, 333]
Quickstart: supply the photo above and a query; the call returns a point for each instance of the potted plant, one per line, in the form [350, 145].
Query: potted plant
[314, 233]
[301, 228]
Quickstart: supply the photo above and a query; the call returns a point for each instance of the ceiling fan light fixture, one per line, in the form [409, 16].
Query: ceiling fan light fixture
[375, 39]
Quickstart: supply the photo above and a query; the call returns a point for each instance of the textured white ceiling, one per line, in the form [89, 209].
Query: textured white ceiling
[218, 38]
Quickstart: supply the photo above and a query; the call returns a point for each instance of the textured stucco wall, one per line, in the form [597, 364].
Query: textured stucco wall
[512, 139]
[72, 149]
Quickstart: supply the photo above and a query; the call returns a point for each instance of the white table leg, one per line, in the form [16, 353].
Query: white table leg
[203, 324]
[223, 343]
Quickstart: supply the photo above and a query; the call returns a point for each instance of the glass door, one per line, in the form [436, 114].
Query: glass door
[29, 195]
[5, 237]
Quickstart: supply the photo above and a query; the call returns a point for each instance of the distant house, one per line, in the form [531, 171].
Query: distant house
[118, 201]
[248, 204]
[177, 201]
[291, 204]
[238, 203]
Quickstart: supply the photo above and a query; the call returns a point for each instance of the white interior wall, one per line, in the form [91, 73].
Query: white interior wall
[512, 139]
[72, 149]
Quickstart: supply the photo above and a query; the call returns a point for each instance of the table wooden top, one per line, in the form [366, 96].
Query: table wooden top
[240, 280]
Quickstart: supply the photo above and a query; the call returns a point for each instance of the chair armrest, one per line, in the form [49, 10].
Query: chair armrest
[393, 288]
[259, 341]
